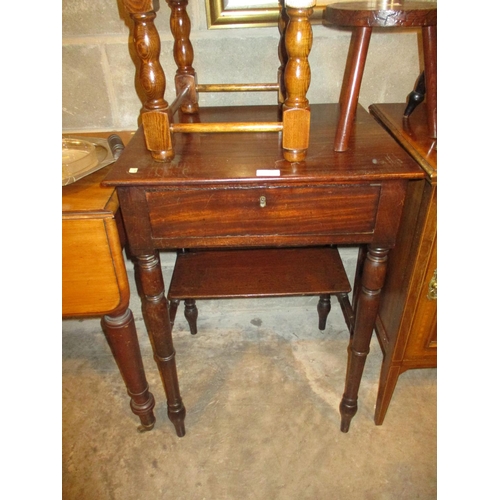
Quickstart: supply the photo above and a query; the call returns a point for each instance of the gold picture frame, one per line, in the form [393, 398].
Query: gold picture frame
[259, 13]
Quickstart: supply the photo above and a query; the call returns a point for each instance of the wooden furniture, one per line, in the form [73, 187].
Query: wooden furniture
[210, 196]
[416, 96]
[406, 323]
[258, 273]
[362, 17]
[94, 279]
[157, 116]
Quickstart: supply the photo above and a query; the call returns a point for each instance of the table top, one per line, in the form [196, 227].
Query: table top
[412, 133]
[204, 158]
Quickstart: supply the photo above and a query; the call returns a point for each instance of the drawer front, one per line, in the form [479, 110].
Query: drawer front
[262, 211]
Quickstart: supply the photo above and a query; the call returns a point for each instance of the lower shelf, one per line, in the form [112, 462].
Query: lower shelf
[275, 272]
[258, 273]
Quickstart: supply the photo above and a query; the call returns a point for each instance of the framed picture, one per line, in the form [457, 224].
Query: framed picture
[250, 14]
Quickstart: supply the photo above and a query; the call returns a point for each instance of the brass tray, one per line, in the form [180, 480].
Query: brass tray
[82, 156]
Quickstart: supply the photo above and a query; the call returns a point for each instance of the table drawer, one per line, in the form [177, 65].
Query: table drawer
[262, 211]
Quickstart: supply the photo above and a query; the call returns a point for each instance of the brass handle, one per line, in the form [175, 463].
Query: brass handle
[432, 293]
[262, 201]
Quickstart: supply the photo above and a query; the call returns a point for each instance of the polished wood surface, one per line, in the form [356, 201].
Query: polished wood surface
[269, 272]
[91, 283]
[362, 17]
[382, 14]
[258, 273]
[202, 159]
[94, 277]
[294, 78]
[92, 243]
[210, 195]
[407, 320]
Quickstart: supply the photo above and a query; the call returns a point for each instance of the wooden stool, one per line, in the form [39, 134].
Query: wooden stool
[250, 273]
[294, 77]
[363, 17]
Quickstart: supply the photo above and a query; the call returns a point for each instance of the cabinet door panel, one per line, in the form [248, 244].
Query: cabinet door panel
[423, 342]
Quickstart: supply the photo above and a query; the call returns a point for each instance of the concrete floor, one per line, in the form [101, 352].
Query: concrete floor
[261, 385]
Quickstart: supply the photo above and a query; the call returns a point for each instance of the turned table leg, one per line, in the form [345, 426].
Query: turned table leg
[367, 302]
[324, 307]
[191, 315]
[156, 317]
[121, 335]
[172, 311]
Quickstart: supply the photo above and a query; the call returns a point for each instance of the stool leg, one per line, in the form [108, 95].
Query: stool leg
[429, 39]
[356, 58]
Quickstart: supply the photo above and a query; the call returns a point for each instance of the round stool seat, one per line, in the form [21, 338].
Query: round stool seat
[382, 14]
[362, 17]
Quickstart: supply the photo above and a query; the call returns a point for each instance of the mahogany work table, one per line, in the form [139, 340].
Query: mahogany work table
[94, 279]
[236, 190]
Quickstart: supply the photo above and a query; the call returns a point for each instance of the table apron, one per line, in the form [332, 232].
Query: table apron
[263, 215]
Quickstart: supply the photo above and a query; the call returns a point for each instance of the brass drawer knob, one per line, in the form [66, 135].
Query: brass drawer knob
[432, 293]
[262, 201]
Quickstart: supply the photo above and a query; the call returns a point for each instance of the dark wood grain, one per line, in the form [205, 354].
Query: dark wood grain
[211, 196]
[258, 273]
[243, 273]
[224, 158]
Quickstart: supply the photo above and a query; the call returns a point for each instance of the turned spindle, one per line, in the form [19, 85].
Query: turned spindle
[282, 54]
[296, 111]
[180, 26]
[154, 113]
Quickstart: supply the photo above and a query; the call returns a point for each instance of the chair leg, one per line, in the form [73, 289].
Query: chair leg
[180, 27]
[324, 307]
[351, 85]
[297, 76]
[191, 315]
[429, 39]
